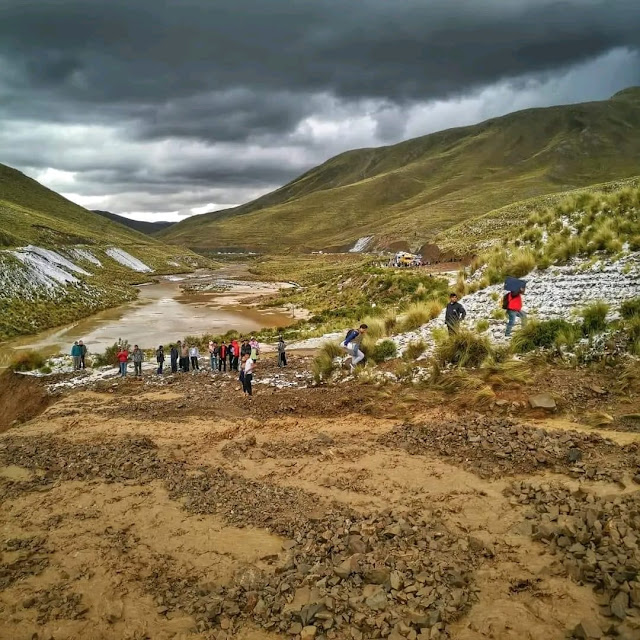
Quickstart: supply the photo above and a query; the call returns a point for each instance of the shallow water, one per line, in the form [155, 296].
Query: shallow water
[161, 314]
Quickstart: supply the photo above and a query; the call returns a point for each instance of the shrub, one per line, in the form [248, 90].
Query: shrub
[482, 325]
[420, 313]
[463, 349]
[385, 350]
[110, 356]
[540, 334]
[377, 328]
[630, 308]
[390, 321]
[415, 349]
[594, 318]
[520, 263]
[27, 361]
[323, 364]
[46, 370]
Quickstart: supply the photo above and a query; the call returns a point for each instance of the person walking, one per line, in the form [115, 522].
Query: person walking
[83, 354]
[123, 358]
[174, 354]
[222, 357]
[512, 302]
[282, 356]
[76, 355]
[137, 356]
[235, 350]
[194, 355]
[160, 359]
[454, 314]
[214, 351]
[249, 367]
[352, 343]
[184, 358]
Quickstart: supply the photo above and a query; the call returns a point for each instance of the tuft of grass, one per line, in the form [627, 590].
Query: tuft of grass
[630, 308]
[110, 356]
[27, 361]
[324, 363]
[377, 327]
[385, 350]
[463, 349]
[420, 313]
[482, 325]
[541, 334]
[594, 318]
[503, 373]
[415, 349]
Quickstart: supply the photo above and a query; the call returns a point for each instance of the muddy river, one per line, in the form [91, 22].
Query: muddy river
[162, 313]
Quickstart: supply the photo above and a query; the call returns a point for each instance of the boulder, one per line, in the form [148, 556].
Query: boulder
[542, 401]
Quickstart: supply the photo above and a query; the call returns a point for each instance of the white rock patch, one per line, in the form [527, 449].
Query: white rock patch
[361, 244]
[127, 260]
[85, 254]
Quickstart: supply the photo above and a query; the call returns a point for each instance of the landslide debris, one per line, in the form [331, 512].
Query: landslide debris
[494, 446]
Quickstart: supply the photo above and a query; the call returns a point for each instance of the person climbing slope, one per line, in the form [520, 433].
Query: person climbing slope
[512, 303]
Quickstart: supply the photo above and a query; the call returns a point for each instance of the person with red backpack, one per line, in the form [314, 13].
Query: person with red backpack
[352, 343]
[512, 304]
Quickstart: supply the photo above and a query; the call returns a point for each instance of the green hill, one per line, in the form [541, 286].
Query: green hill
[148, 228]
[60, 262]
[413, 191]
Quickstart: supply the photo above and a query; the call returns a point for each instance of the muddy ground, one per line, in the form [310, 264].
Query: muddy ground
[176, 508]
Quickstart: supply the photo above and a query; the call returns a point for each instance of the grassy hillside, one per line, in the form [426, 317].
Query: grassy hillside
[148, 228]
[60, 262]
[416, 189]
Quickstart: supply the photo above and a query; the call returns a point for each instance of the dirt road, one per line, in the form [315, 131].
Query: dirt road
[175, 508]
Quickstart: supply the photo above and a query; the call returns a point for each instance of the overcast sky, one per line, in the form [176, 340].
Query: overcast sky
[159, 110]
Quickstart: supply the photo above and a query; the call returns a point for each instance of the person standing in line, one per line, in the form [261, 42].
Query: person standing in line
[123, 358]
[249, 367]
[175, 354]
[83, 354]
[160, 359]
[235, 346]
[282, 356]
[352, 343]
[455, 313]
[512, 302]
[222, 361]
[184, 358]
[75, 355]
[137, 356]
[243, 359]
[194, 354]
[213, 355]
[245, 349]
[255, 348]
[230, 354]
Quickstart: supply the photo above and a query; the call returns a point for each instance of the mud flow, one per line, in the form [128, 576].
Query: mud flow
[176, 508]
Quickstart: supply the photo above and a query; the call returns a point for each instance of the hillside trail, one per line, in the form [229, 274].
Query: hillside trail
[176, 508]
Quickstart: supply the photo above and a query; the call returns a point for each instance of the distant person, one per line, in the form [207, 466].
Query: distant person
[282, 355]
[76, 355]
[255, 348]
[184, 358]
[160, 359]
[194, 354]
[249, 367]
[352, 343]
[214, 352]
[222, 358]
[175, 355]
[83, 354]
[245, 348]
[243, 360]
[137, 356]
[512, 303]
[455, 313]
[230, 354]
[123, 358]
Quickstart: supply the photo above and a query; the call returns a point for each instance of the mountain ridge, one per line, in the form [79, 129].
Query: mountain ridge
[148, 228]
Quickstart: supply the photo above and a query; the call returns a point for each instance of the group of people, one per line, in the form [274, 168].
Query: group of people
[79, 355]
[455, 313]
[241, 356]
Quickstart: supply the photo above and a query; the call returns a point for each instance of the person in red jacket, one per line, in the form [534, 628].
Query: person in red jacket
[123, 357]
[235, 348]
[222, 360]
[513, 302]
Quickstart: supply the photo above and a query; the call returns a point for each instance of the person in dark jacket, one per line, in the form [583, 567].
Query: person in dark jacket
[245, 349]
[222, 359]
[282, 355]
[160, 359]
[454, 314]
[138, 357]
[175, 354]
[83, 354]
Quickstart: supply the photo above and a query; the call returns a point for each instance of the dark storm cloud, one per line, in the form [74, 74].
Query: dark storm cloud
[178, 94]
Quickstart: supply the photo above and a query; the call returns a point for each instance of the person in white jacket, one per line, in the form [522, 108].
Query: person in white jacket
[194, 354]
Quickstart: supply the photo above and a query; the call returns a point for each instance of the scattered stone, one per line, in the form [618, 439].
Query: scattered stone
[542, 401]
[587, 629]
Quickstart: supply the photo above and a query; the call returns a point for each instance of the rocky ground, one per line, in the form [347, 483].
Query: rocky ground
[174, 507]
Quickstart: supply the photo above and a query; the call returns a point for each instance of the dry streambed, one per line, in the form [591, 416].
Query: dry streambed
[303, 526]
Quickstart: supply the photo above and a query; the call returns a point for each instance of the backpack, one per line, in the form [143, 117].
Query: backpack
[351, 335]
[505, 300]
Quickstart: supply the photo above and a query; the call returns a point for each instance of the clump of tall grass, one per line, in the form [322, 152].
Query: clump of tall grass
[415, 349]
[110, 356]
[463, 348]
[545, 334]
[419, 314]
[594, 318]
[630, 308]
[27, 361]
[324, 363]
[385, 350]
[376, 327]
